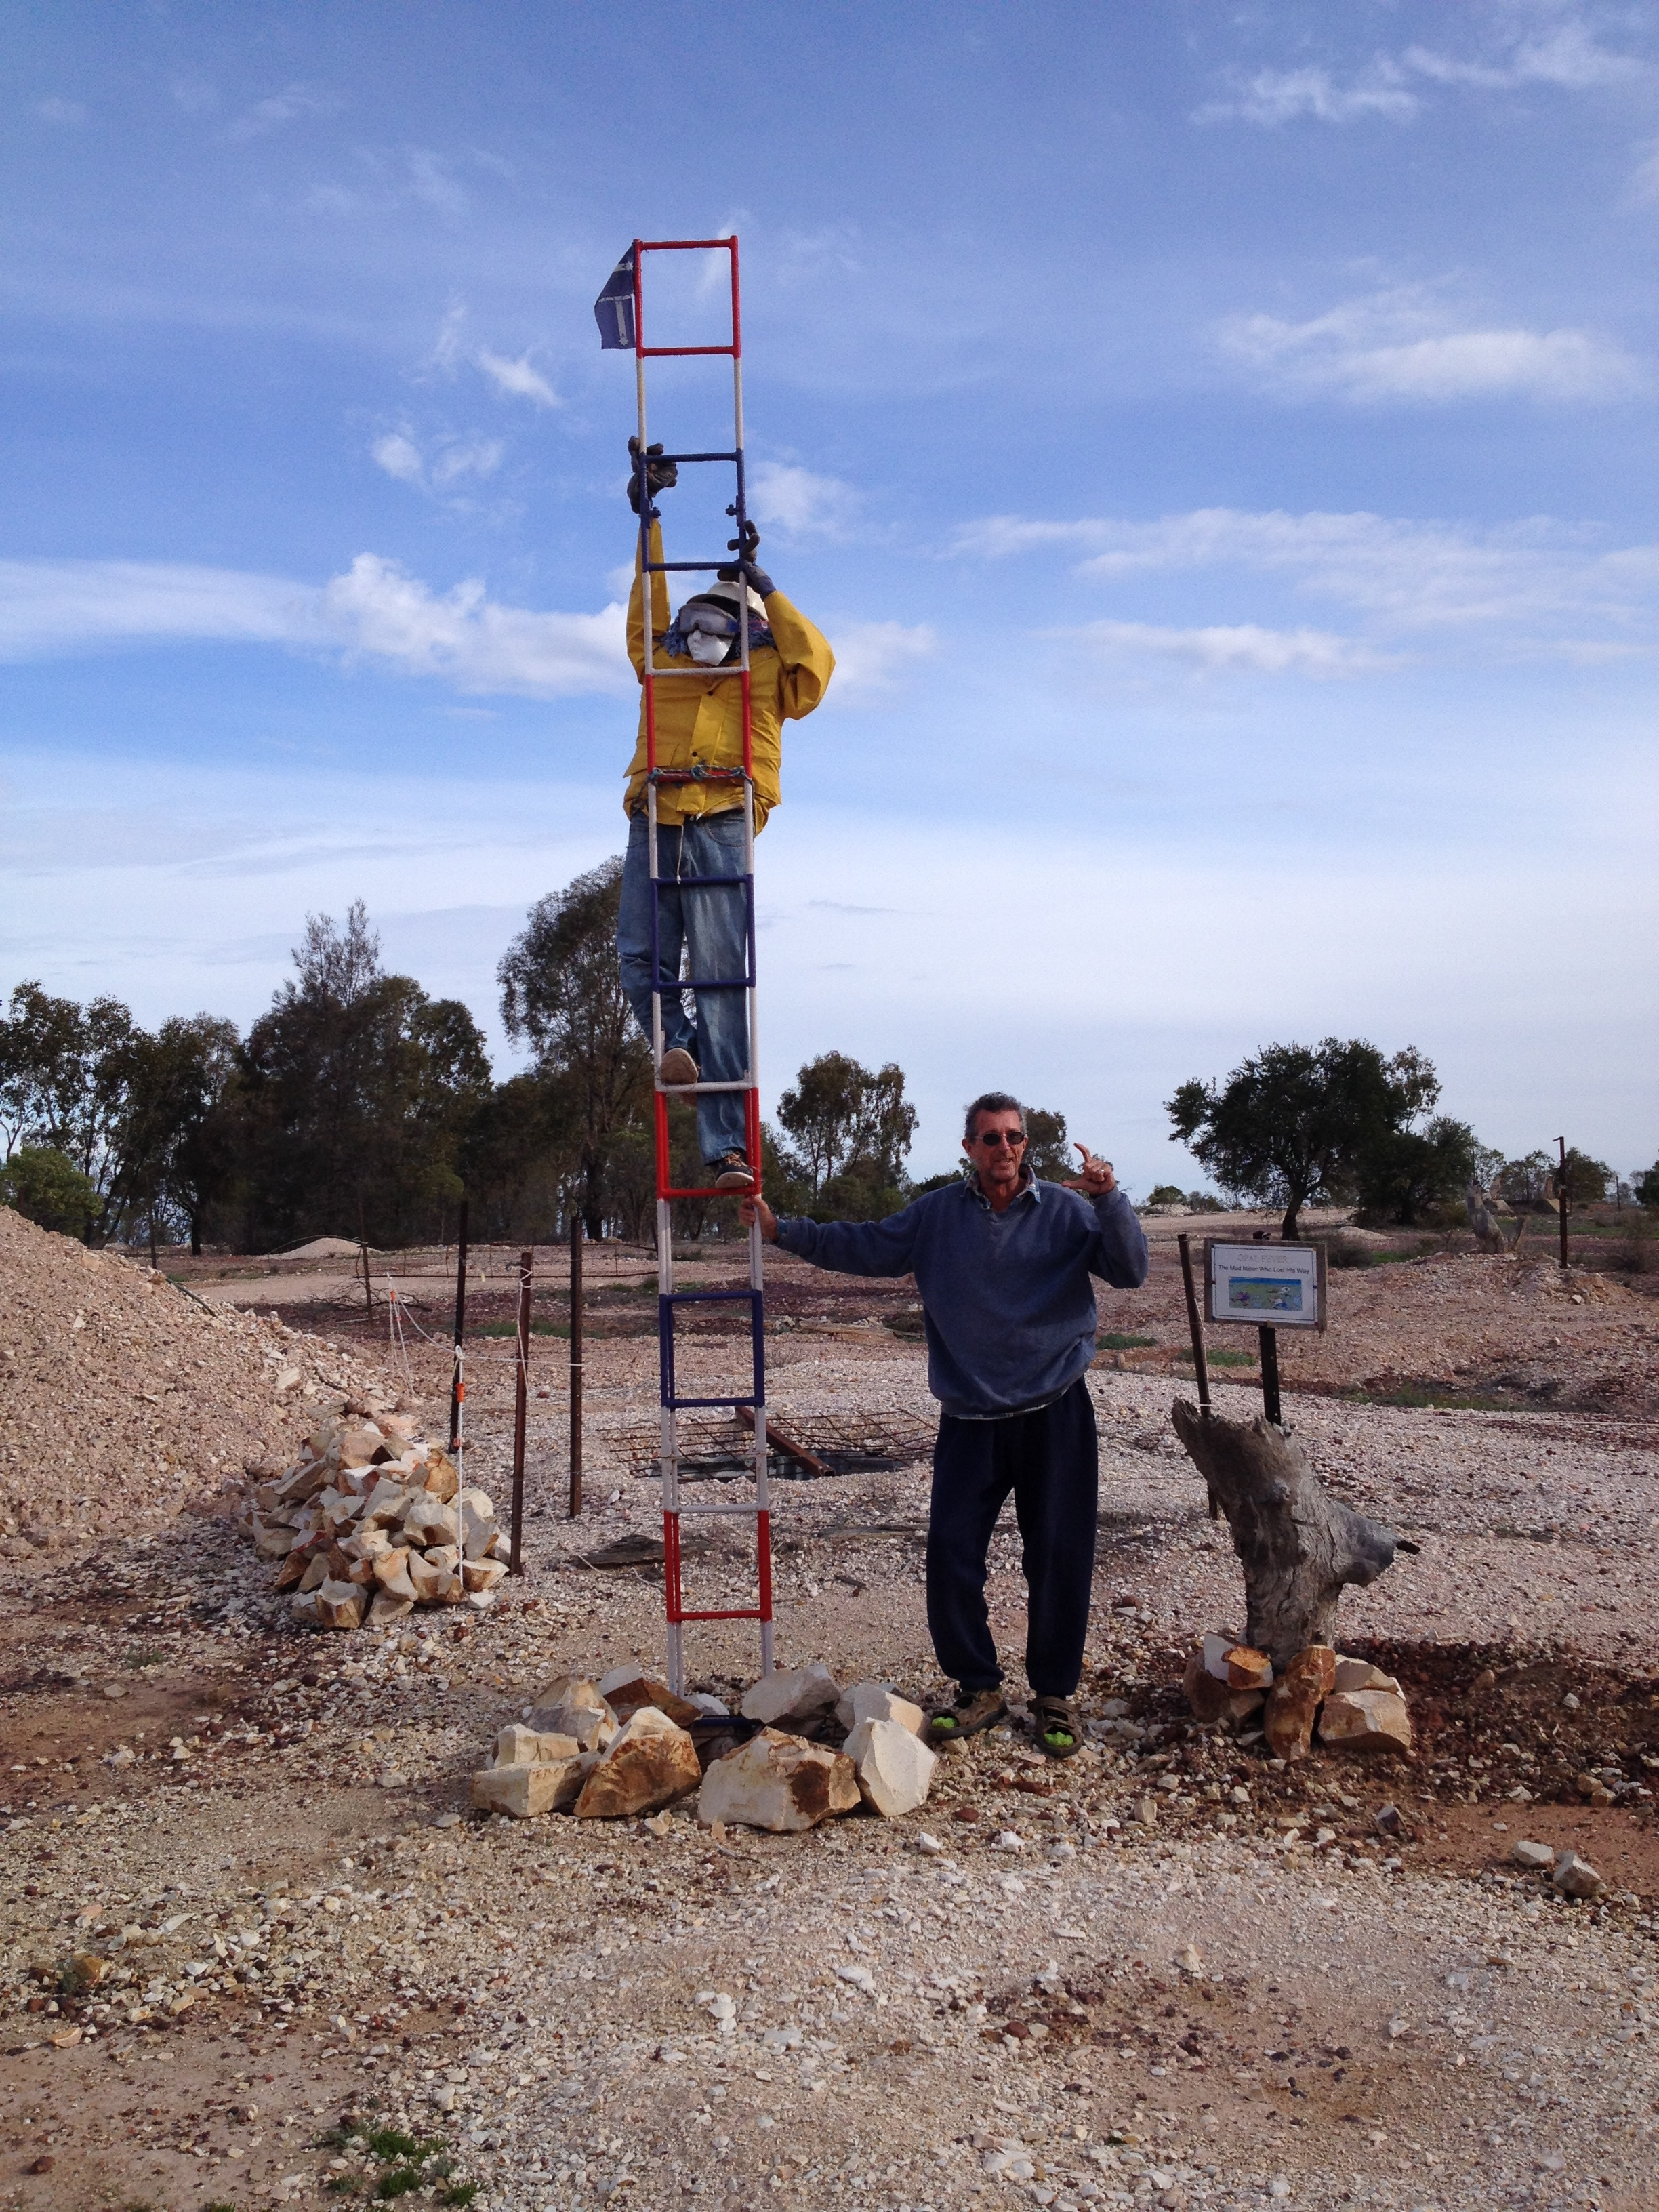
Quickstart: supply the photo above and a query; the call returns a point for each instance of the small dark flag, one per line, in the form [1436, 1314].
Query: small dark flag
[613, 311]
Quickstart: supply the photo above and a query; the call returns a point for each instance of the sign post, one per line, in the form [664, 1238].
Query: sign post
[1268, 1287]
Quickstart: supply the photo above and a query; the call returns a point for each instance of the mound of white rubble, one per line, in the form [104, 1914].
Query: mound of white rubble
[370, 1522]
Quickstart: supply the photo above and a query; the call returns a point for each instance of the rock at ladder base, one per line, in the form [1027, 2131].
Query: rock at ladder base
[779, 1700]
[780, 1783]
[895, 1769]
[625, 1689]
[876, 1701]
[648, 1764]
[572, 1706]
[1365, 1720]
[517, 1746]
[524, 1791]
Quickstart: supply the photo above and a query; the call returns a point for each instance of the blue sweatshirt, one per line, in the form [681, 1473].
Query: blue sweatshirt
[1006, 1299]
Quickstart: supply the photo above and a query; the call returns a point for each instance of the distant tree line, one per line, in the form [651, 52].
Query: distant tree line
[358, 1106]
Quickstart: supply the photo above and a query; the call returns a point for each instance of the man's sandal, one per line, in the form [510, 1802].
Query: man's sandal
[1058, 1731]
[973, 1710]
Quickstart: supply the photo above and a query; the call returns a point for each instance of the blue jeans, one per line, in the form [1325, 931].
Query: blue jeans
[714, 925]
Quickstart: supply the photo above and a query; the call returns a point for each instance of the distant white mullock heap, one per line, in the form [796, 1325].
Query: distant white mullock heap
[371, 1522]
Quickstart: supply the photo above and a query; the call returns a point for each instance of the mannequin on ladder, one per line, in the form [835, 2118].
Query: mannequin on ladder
[700, 824]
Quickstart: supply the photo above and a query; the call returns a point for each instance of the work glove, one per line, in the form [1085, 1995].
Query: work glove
[745, 567]
[660, 474]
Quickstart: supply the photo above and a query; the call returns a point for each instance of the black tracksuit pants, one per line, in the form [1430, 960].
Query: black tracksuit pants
[1049, 1459]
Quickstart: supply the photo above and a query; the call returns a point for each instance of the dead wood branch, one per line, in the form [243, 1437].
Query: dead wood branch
[1297, 1546]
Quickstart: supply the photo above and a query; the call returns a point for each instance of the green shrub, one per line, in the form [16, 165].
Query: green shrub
[49, 1189]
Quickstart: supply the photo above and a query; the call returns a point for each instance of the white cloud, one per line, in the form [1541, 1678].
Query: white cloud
[1567, 57]
[1272, 96]
[1233, 649]
[289, 105]
[1395, 346]
[379, 611]
[399, 456]
[872, 656]
[467, 456]
[796, 500]
[1645, 184]
[516, 378]
[1537, 577]
[70, 112]
[373, 611]
[49, 607]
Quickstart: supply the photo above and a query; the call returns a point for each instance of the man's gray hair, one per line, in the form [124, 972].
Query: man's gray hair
[992, 1101]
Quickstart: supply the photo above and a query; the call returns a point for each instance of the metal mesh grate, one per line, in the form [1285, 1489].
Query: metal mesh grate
[714, 1445]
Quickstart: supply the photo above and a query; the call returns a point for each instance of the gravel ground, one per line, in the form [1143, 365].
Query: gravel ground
[1258, 1994]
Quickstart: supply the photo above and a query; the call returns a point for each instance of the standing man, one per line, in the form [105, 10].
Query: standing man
[700, 825]
[1002, 1263]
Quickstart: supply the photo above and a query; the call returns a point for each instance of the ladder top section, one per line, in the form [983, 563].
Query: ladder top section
[619, 310]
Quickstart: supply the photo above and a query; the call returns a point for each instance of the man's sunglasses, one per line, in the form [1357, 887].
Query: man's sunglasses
[1000, 1137]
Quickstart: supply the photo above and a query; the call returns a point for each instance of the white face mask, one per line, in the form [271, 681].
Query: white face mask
[708, 652]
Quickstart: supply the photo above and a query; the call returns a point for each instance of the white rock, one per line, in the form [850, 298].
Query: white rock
[1360, 1674]
[572, 1706]
[1534, 1856]
[517, 1746]
[1577, 1877]
[894, 1768]
[430, 1521]
[779, 1782]
[780, 1699]
[544, 1786]
[877, 1701]
[648, 1764]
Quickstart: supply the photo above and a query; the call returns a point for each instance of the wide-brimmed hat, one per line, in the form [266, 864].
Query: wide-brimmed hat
[722, 599]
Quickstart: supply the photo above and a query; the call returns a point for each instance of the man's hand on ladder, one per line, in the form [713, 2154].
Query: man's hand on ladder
[753, 1209]
[660, 474]
[745, 545]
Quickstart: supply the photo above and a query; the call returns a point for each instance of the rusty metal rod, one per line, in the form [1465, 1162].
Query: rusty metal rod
[521, 1410]
[575, 1363]
[457, 1387]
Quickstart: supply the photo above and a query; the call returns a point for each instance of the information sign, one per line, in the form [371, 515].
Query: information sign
[1266, 1285]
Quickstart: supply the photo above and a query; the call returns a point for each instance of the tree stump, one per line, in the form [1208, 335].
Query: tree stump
[1298, 1546]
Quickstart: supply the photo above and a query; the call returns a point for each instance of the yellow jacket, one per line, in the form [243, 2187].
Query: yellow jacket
[700, 717]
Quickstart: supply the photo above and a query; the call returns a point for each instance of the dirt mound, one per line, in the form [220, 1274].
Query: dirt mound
[324, 1247]
[123, 1398]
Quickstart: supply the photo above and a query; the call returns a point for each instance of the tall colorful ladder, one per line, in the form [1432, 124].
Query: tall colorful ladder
[668, 1299]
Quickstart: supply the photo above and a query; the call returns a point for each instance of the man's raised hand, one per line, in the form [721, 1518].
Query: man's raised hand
[755, 1208]
[1096, 1178]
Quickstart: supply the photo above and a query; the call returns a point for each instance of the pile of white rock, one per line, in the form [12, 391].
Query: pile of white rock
[371, 1522]
[627, 1747]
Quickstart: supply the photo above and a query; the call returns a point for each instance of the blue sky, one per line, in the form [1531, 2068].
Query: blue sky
[1220, 442]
